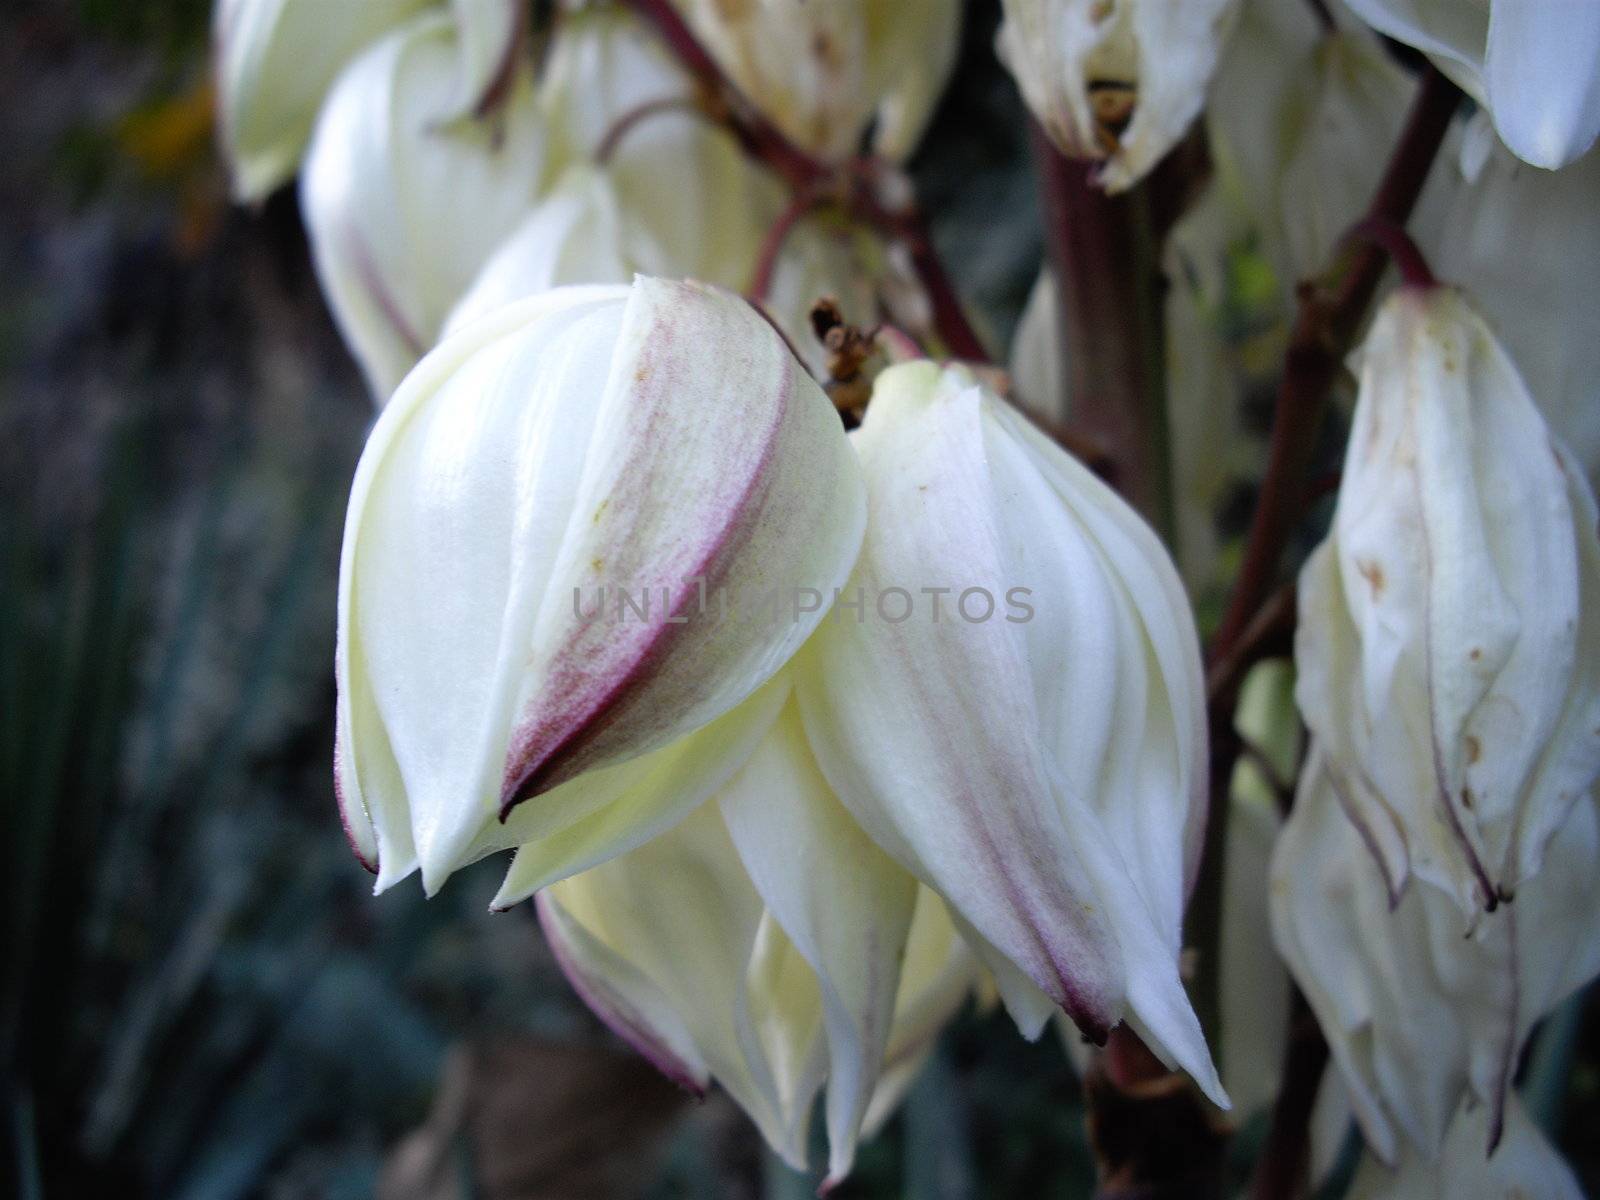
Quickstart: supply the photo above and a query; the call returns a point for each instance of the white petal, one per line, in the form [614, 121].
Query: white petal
[916, 724]
[630, 803]
[488, 32]
[403, 206]
[1542, 75]
[843, 903]
[1525, 1165]
[574, 235]
[275, 60]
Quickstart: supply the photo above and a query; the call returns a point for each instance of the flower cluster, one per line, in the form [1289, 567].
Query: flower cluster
[966, 752]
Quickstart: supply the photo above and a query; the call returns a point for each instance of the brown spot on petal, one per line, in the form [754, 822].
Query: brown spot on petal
[1466, 799]
[1373, 574]
[1474, 750]
[1475, 654]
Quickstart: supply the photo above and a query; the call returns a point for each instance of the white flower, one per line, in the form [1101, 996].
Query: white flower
[657, 442]
[275, 60]
[1534, 64]
[1422, 1006]
[1449, 639]
[1525, 1166]
[1115, 80]
[766, 943]
[1033, 750]
[822, 70]
[403, 204]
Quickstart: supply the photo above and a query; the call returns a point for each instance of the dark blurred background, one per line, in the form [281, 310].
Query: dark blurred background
[201, 997]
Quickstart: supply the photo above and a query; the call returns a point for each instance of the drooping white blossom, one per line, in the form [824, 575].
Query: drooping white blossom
[824, 70]
[526, 655]
[1449, 638]
[275, 60]
[1033, 750]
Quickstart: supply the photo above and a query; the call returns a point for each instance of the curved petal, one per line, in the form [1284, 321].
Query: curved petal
[389, 183]
[923, 727]
[842, 902]
[630, 803]
[759, 492]
[574, 235]
[274, 61]
[1542, 74]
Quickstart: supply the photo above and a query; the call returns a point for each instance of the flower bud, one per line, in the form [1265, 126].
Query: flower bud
[536, 521]
[1525, 1166]
[822, 70]
[1449, 639]
[1534, 66]
[1425, 1008]
[1117, 83]
[275, 60]
[1032, 748]
[766, 943]
[404, 204]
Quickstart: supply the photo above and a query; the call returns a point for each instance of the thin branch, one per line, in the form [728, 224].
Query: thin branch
[1282, 1169]
[802, 203]
[803, 172]
[623, 125]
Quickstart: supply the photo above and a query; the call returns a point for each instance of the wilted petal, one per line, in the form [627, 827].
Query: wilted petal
[1525, 1166]
[645, 439]
[403, 204]
[1119, 83]
[1517, 282]
[1440, 623]
[1422, 1005]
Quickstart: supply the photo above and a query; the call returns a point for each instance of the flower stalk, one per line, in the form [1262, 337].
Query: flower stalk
[807, 176]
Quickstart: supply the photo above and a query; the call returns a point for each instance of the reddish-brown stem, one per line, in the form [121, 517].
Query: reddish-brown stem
[802, 202]
[1393, 240]
[1110, 341]
[760, 137]
[1282, 1169]
[625, 124]
[765, 142]
[1323, 332]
